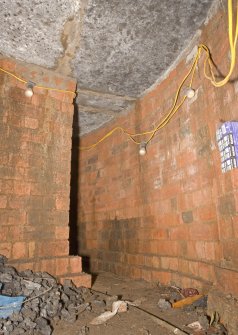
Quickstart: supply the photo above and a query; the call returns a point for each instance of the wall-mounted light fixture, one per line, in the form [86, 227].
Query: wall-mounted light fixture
[190, 92]
[29, 89]
[142, 149]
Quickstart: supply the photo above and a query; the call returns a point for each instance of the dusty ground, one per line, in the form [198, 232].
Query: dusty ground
[132, 322]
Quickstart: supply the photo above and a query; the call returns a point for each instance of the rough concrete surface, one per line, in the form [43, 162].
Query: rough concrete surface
[127, 45]
[94, 109]
[31, 30]
[92, 120]
[118, 47]
[103, 101]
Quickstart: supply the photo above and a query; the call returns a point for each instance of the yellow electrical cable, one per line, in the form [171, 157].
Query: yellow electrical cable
[232, 42]
[54, 89]
[165, 120]
[36, 86]
[174, 109]
[208, 60]
[168, 118]
[13, 75]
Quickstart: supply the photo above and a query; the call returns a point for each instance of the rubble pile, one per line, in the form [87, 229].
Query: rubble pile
[46, 301]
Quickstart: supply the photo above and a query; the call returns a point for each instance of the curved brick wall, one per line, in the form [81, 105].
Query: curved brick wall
[170, 216]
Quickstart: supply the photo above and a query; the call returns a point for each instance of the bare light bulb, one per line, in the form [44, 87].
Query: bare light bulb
[142, 150]
[29, 92]
[190, 92]
[29, 89]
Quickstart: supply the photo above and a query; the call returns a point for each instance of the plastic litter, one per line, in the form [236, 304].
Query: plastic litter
[30, 285]
[117, 307]
[9, 305]
[195, 326]
[189, 292]
[186, 301]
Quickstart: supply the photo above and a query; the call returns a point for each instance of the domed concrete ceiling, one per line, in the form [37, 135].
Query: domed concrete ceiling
[115, 48]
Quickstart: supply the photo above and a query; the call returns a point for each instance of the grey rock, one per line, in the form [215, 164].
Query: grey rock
[3, 260]
[12, 271]
[164, 304]
[64, 298]
[46, 330]
[29, 323]
[16, 317]
[18, 331]
[29, 313]
[41, 322]
[65, 314]
[5, 277]
[27, 274]
[43, 312]
[69, 283]
[8, 327]
[30, 285]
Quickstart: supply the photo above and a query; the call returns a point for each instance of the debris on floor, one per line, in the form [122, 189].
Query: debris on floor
[164, 304]
[189, 292]
[9, 305]
[46, 301]
[186, 301]
[49, 308]
[117, 307]
[195, 326]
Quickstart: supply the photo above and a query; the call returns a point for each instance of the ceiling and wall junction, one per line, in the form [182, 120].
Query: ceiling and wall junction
[115, 49]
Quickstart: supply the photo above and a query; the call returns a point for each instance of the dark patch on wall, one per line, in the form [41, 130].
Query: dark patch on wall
[187, 217]
[227, 205]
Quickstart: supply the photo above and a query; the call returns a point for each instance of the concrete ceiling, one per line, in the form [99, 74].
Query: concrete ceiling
[115, 48]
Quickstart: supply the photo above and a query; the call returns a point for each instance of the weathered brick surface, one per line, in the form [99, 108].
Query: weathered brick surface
[79, 279]
[171, 215]
[35, 159]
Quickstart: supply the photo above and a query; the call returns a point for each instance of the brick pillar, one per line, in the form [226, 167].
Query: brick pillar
[35, 172]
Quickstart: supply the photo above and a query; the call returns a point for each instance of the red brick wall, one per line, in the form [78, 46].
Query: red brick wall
[35, 170]
[170, 216]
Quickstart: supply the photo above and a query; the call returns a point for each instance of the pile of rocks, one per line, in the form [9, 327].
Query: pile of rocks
[46, 301]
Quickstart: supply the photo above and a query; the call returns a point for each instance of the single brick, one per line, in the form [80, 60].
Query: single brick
[62, 232]
[62, 202]
[187, 217]
[227, 205]
[62, 265]
[19, 250]
[75, 263]
[3, 201]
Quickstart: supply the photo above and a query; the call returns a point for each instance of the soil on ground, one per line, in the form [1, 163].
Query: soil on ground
[134, 321]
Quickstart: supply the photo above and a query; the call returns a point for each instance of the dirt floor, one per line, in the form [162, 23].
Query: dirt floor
[134, 321]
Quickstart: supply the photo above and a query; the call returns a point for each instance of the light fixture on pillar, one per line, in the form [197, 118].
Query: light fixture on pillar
[190, 92]
[29, 89]
[142, 149]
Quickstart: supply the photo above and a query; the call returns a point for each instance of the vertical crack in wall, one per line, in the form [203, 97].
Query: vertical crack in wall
[70, 39]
